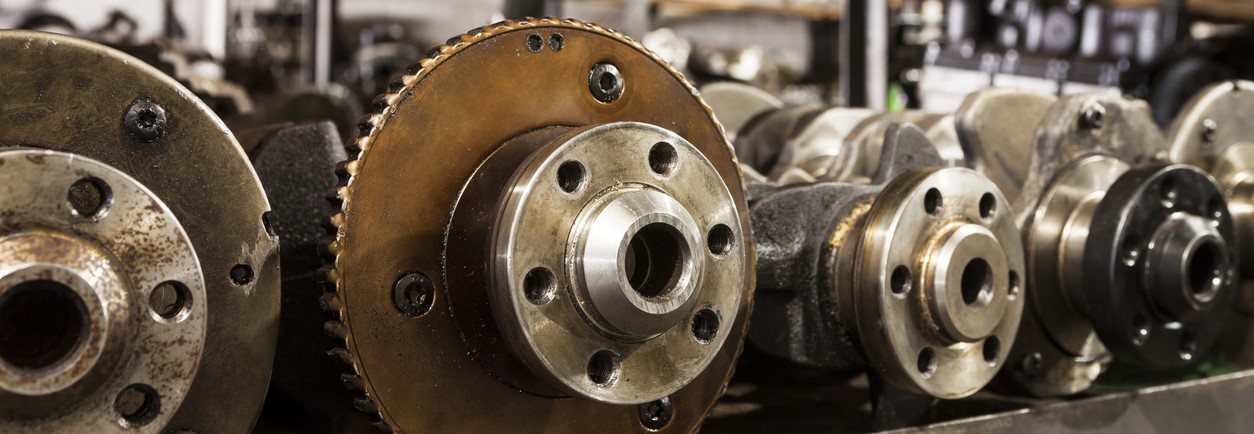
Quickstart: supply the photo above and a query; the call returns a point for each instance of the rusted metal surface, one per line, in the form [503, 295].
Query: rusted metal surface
[107, 263]
[404, 177]
[69, 95]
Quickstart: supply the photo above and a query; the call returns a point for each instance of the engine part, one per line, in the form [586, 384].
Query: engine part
[736, 103]
[1126, 257]
[1213, 133]
[138, 267]
[543, 224]
[914, 276]
[806, 144]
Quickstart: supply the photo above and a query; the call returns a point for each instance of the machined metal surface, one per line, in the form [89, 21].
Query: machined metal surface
[472, 190]
[736, 103]
[102, 300]
[73, 96]
[1212, 133]
[914, 276]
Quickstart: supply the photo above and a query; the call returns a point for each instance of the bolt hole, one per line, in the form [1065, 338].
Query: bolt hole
[89, 197]
[534, 43]
[988, 205]
[41, 323]
[557, 42]
[539, 286]
[1140, 330]
[900, 281]
[927, 362]
[662, 158]
[242, 274]
[654, 260]
[571, 176]
[1014, 283]
[170, 299]
[1131, 249]
[138, 404]
[705, 325]
[1188, 346]
[977, 283]
[932, 201]
[992, 348]
[1216, 208]
[603, 368]
[1168, 192]
[720, 239]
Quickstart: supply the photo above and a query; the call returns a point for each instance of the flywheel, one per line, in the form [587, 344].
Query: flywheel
[541, 228]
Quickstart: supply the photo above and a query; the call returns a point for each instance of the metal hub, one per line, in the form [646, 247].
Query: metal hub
[82, 98]
[603, 280]
[939, 269]
[102, 301]
[513, 244]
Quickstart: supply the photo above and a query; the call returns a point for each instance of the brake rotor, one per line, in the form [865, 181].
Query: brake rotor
[542, 228]
[127, 123]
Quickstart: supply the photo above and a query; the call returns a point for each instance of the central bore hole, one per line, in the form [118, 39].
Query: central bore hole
[41, 322]
[977, 282]
[1206, 270]
[653, 262]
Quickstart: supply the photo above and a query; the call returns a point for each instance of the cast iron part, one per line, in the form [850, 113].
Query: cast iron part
[838, 261]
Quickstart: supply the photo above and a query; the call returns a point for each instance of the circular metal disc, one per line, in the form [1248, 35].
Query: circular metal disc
[895, 265]
[404, 177]
[135, 245]
[71, 95]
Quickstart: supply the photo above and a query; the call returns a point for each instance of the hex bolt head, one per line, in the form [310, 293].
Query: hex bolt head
[605, 82]
[145, 121]
[413, 295]
[656, 414]
[1094, 116]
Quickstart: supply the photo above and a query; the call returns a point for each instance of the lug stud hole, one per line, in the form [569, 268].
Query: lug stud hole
[662, 158]
[988, 205]
[571, 176]
[603, 368]
[89, 197]
[927, 362]
[137, 404]
[720, 239]
[540, 286]
[900, 281]
[1131, 249]
[1140, 330]
[170, 300]
[1168, 192]
[991, 349]
[705, 325]
[932, 201]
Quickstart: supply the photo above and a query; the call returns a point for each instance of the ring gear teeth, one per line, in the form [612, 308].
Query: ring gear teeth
[383, 107]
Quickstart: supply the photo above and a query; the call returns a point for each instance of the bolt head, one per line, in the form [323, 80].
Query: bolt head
[145, 121]
[605, 82]
[656, 414]
[413, 295]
